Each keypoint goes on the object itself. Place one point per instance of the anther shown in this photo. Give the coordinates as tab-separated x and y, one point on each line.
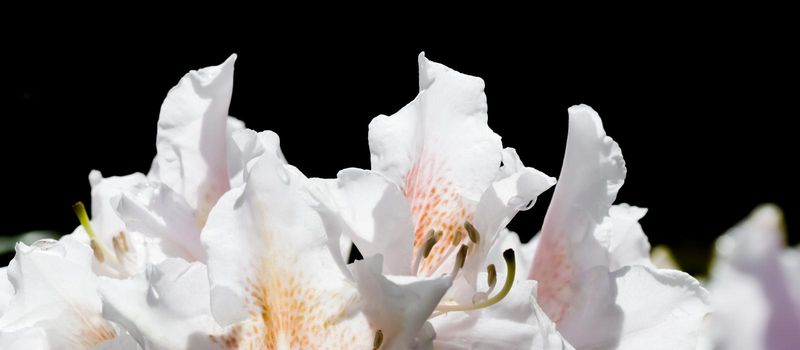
426	249
491	275
462	256
472	232
376	344
120	243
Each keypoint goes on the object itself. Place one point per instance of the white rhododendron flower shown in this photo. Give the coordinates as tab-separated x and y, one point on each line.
755	286
440	189
225	245
276	279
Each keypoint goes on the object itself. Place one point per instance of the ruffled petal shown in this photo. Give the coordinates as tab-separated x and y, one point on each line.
56	291
623	237
192	137
165	308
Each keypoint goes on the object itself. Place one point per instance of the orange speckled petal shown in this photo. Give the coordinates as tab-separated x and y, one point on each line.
441	152
273	276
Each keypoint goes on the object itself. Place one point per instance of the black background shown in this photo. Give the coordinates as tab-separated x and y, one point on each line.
704	119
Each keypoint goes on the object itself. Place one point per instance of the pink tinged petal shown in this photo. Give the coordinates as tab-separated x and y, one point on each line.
192	137
165	308
516	322
56	291
591	175
754	286
398	305
272	273
441	152
373	212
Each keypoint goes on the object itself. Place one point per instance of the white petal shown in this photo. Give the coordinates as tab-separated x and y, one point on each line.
6	290
165	308
108	224
271	267
516	322
57	291
105	198
624	238
664	309
32	338
591	175
754	286
372	211
192	137
398	306
636	307
498	205
440	151
123	341
157	211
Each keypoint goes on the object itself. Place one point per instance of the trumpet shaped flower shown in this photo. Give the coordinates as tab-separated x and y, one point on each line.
440	190
277	281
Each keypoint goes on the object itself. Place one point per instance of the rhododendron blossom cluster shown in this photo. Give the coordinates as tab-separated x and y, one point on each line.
224	244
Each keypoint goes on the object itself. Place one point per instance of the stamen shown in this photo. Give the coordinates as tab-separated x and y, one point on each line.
439	234
98	252
472	232
376	344
99	249
511	269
